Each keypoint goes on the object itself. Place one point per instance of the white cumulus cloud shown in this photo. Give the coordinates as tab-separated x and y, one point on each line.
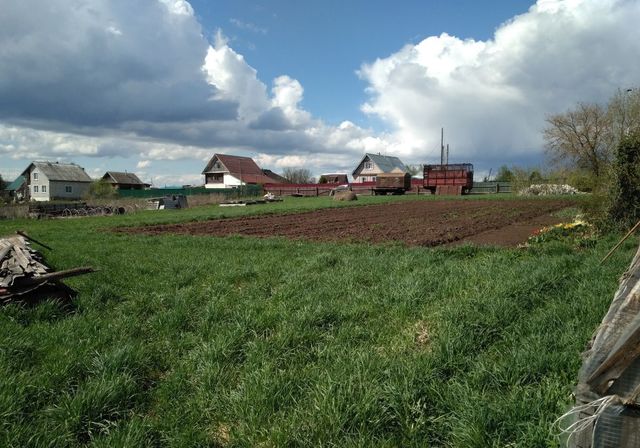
492	96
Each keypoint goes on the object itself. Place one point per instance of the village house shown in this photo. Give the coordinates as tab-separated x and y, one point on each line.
124	181
225	171
373	164
47	181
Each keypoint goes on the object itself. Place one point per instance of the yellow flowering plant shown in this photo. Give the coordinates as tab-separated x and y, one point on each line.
579	233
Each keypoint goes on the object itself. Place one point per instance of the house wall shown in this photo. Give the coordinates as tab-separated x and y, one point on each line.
228	182
37	181
78	189
364	174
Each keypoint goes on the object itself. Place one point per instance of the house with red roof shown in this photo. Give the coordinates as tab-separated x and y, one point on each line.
225	171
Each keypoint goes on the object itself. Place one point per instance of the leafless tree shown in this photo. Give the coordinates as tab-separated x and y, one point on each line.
414	170
582	136
624	113
298	175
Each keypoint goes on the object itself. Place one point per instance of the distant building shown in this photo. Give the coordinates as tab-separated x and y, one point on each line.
225	171
276	178
124	181
47	181
17	190
334	179
373	164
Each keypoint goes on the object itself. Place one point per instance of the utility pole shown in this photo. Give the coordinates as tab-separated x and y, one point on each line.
447	158
441	146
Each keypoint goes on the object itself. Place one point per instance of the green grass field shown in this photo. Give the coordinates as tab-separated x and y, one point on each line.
199	341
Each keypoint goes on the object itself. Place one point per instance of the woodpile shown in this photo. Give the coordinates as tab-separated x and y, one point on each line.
23	271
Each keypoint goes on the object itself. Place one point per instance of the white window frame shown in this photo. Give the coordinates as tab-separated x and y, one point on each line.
44	189
35	189
368	165
35	176
68	189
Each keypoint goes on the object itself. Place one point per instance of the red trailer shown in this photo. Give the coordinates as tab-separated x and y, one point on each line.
448	179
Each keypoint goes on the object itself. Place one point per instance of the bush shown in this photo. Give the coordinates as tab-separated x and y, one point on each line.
101	189
624	205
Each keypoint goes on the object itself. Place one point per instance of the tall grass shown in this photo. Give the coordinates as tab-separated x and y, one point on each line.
199	341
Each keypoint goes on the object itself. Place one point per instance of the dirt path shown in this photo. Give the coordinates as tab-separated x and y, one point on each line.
416	223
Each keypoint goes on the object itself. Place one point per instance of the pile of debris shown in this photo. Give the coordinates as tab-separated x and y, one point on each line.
269	197
23	271
548	190
168	202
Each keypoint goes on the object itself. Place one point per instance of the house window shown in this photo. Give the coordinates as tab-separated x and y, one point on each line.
35	188
368	165
35	176
67	188
44	188
215	178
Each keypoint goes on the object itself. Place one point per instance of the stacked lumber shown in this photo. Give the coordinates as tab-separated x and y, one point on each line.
22	269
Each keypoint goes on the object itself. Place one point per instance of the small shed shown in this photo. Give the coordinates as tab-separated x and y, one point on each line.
18	190
124	181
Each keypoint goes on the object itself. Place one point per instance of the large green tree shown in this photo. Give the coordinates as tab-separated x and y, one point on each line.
504	174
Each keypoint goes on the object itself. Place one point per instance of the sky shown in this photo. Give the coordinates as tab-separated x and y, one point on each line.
156	87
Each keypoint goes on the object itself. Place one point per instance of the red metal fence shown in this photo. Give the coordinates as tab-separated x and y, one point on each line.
364	188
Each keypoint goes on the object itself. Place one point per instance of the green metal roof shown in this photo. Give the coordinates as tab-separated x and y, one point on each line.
13	186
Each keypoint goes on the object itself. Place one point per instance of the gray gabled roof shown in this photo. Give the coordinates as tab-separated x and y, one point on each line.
55	171
116	177
385	163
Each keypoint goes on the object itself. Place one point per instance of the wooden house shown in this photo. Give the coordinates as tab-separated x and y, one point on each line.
124	181
373	164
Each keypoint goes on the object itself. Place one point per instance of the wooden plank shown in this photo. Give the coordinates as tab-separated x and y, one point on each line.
58	275
21	258
4	251
21	233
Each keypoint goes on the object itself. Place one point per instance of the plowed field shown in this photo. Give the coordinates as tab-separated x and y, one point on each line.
416	223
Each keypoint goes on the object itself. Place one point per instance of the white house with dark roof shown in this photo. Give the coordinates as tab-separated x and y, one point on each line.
48	181
373	164
225	171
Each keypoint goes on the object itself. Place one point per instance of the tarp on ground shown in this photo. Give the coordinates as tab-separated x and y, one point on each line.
607	395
